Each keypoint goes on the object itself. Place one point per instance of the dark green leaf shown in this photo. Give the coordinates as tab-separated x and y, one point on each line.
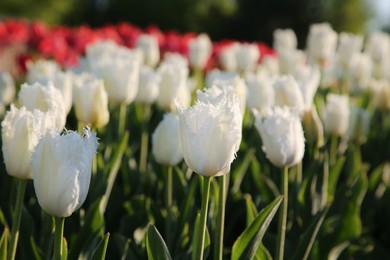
155	245
206	247
248	242
334	175
4	244
100	251
251	211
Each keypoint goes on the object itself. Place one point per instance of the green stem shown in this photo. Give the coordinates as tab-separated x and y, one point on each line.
144	151
16	219
299	173
203	217
122	119
168	205
333	150
59	233
282	216
223	182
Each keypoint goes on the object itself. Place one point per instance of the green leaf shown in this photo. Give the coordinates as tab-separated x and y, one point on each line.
38	255
248	242
155	245
4	244
308	238
375	177
64	249
100	250
94	223
238	175
334	175
262	253
251	211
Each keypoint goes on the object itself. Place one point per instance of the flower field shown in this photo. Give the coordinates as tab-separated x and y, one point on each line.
127	143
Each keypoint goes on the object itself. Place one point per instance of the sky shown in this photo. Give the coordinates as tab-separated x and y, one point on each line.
382	9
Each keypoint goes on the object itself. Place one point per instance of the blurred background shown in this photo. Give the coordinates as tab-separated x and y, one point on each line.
247	20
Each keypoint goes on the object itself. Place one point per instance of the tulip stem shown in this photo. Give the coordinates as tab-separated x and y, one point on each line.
168	204
223	182
203	217
122	119
282	216
16	219
333	150
59	233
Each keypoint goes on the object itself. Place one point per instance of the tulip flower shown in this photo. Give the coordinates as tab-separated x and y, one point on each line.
91	102
228	58
336	115
261	93
166	144
288	93
359	125
360	76
200	51
284	40
321	43
289	60
210	136
7	90
349	44
148	89
381	93
247	57
148	44
61	169
308	79
284	145
21	130
45	98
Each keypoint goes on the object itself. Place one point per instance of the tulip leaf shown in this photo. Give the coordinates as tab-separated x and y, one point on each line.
238	175
307	240
100	251
206	246
3	221
64	249
155	245
94	222
251	211
4	244
248	242
334	175
375	177
35	250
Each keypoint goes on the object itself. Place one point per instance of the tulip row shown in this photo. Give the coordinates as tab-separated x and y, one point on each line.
321	116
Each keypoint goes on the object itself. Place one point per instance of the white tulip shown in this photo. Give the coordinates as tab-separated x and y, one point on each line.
222	79
61	169
21	130
41	69
349	44
173	83
166	143
261	93
148	88
200	50
45	98
247	57
282	136
289	60
270	65
378	46
288	93
381	93
7	90
228	57
336	114
321	43
148	44
210	135
284	39
91	102
308	79
360	73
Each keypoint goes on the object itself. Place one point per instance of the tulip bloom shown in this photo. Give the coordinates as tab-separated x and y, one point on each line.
282	135
284	40
91	102
211	134
61	169
7	90
200	51
166	144
261	94
148	44
21	130
148	89
321	43
288	93
336	114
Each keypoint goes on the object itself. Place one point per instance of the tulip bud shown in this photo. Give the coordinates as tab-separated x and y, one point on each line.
45	98
21	130
321	43
284	40
247	57
381	93
91	102
289	60
287	93
282	136
361	73
61	169
261	93
41	69
7	90
200	51
336	114
349	45
308	79
270	65
166	144
148	89
228	58
378	46
149	46
313	128
211	134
